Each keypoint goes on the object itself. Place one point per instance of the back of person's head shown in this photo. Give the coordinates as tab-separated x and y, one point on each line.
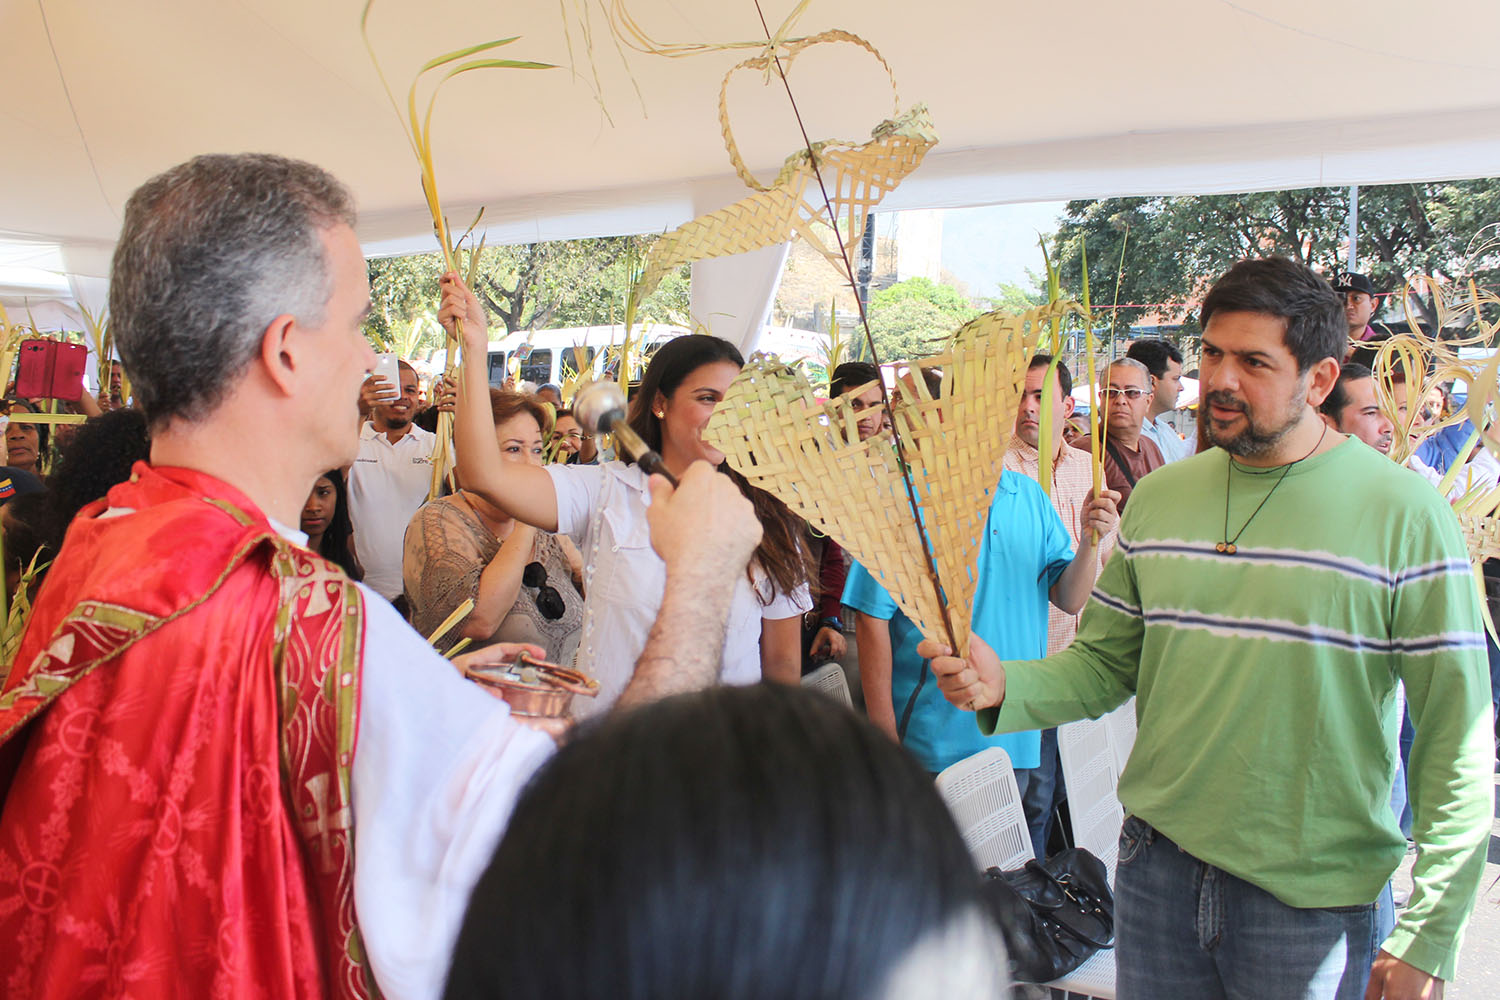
100	458
1338	397
209	254
852	375
33	531
1064	377
1275	286
1154	353
737	843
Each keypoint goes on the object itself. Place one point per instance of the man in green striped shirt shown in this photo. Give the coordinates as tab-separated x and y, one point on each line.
1265	597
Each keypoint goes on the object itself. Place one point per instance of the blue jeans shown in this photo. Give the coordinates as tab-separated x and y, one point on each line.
1042	792
1184	928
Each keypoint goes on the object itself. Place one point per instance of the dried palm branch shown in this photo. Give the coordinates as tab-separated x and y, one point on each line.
17	612
459	614
418	129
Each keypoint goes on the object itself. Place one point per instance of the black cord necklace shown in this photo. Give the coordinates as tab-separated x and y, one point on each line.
1227	546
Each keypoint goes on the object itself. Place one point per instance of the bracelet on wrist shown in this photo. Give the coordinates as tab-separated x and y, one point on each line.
832	622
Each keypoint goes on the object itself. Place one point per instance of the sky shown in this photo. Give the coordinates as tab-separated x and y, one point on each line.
994	245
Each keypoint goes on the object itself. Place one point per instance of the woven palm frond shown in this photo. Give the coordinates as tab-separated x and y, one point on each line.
808	454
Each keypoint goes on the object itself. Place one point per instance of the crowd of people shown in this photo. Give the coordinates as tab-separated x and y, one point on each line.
236	762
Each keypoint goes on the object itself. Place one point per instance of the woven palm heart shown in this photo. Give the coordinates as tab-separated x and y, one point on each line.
857	175
808	454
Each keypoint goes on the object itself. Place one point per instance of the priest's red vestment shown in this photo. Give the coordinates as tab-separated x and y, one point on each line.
176	738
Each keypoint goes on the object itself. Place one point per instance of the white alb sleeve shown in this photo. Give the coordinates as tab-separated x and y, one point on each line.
437	769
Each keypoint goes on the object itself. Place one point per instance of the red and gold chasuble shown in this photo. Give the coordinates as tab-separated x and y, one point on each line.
175	747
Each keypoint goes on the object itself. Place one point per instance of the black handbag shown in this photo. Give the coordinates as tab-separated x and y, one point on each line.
1053	914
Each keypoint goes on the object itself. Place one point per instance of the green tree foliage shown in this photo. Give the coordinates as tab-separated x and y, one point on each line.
403	290
1014	298
1178	246
528	287
911	318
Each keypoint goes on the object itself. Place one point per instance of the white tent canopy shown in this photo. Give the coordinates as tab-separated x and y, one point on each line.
1041	101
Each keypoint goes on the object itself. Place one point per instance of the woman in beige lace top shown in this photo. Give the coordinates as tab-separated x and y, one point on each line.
523	581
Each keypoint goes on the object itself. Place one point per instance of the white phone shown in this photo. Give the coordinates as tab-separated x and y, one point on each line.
386	368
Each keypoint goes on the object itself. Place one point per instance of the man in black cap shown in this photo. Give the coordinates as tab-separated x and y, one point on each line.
1359	307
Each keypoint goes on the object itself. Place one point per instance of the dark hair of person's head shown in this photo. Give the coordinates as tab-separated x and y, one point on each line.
504	405
933	376
100	458
1338	396
43	431
334	545
33	530
740	843
852	375
783	551
1154	353
209	254
1064	377
1275	286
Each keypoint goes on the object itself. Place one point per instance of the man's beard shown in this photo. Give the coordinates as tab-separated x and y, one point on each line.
1254	439
395	423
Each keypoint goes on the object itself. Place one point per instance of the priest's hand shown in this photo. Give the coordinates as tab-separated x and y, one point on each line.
970	684
704	526
705	531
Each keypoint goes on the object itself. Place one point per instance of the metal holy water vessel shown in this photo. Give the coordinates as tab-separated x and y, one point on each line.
535	688
600	408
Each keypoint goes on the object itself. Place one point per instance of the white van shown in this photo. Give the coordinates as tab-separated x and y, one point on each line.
547	355
544	355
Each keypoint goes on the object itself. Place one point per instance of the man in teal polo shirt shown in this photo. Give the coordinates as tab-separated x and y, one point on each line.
1027	558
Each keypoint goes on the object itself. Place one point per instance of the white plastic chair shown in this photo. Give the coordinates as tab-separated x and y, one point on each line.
1121	724
1093	753
829	679
981	794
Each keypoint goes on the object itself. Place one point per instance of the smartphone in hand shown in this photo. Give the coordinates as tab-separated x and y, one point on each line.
386	368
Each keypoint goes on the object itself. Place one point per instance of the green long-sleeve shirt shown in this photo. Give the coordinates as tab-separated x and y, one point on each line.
1265	682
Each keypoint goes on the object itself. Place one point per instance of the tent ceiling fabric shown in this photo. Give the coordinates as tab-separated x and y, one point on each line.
1079	98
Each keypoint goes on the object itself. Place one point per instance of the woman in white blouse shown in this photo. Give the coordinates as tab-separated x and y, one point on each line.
603	508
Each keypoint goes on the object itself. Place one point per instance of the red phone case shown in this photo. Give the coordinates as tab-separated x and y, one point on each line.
49	369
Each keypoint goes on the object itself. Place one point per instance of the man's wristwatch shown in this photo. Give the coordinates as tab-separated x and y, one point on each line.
833	622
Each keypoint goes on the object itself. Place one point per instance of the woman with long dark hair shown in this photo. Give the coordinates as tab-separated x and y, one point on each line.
325	521
603	508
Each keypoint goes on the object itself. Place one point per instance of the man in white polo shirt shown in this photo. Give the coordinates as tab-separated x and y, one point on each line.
388	481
